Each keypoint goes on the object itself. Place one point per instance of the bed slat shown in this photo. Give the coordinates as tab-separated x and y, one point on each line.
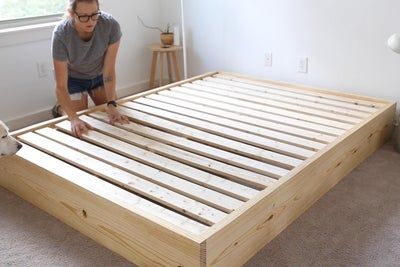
275	105
213	147
176	184
194	209
237	122
270	94
224	137
226	98
193	96
209	180
213	143
249	178
355	104
193	146
106	190
259	120
296	121
250	164
280	147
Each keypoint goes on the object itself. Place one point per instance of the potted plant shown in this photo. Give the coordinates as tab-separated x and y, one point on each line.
166	36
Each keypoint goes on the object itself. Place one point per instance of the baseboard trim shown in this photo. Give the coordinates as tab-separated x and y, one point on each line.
29	119
45	114
133	89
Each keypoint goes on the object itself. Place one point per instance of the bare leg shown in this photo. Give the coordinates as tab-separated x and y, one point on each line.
78	103
98	95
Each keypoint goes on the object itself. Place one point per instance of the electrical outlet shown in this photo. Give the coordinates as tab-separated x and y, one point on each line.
42	69
302	66
268	59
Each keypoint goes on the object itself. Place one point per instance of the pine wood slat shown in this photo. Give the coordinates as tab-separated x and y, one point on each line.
231	120
330	99
176	184
185	205
237	141
237	174
340	96
329	125
271	164
207	87
196	147
272	151
220	142
230	111
93	185
184	171
271	94
212	100
289	149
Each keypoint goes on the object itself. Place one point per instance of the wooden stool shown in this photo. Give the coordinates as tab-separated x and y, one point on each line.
170	53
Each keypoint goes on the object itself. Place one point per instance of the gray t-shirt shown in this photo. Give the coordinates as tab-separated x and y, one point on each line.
85	59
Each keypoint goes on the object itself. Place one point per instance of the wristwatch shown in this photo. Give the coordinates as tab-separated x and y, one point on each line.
112	102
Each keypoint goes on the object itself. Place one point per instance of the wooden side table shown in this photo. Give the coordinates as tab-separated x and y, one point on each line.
170	53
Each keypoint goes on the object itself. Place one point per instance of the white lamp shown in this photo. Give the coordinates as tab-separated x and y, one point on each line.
394	42
184	42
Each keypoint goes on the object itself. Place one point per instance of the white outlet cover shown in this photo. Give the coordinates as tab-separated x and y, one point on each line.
43	69
302	66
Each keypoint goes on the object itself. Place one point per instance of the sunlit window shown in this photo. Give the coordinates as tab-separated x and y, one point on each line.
24	12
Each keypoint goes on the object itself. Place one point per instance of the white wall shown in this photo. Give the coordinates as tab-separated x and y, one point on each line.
26	98
345	41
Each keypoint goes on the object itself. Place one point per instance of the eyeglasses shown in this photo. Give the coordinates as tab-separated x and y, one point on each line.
85	18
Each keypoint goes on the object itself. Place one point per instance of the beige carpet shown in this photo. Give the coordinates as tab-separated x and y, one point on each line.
357	223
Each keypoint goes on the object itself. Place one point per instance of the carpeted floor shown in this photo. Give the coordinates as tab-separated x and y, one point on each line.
357	223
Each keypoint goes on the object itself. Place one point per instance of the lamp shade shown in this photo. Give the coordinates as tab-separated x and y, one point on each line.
394	42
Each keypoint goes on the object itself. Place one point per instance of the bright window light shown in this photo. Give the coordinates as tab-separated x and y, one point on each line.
25	12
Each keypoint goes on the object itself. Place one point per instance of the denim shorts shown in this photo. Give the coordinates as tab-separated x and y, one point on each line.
84	86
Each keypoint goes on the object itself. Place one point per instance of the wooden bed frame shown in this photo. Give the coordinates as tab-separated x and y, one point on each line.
209	170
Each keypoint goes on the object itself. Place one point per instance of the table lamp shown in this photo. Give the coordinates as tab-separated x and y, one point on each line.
394	44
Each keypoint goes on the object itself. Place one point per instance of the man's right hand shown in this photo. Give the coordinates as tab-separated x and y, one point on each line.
79	127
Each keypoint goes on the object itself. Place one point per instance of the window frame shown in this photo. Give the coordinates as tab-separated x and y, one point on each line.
30	21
